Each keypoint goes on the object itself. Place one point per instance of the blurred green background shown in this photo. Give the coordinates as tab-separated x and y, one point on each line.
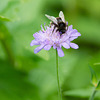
28	76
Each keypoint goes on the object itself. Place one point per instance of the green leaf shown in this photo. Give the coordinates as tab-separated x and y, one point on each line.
83	93
98	86
79	92
96	64
93	77
6	41
22	32
4	33
2	18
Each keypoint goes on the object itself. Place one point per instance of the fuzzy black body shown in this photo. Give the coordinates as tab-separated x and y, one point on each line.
61	26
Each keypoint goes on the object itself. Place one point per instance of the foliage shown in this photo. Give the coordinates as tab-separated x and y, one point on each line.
28	76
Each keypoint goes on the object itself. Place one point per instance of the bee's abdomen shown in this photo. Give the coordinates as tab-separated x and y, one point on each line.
62	27
63	31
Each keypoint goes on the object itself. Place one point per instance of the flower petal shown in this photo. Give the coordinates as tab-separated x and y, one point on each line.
36	50
54	46
65	45
35	35
60	52
70	27
47	47
72	38
42	28
75	34
74	46
34	42
64	37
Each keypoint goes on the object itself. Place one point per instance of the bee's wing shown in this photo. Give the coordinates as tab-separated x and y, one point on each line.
51	18
61	15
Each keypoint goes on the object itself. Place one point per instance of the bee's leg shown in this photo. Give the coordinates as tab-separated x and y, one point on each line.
57	30
55	25
51	24
54	28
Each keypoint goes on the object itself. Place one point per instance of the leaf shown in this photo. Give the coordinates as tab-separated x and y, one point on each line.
96	64
2	18
22	32
98	86
93	77
86	93
6	40
79	93
3	4
4	32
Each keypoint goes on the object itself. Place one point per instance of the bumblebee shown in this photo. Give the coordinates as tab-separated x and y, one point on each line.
59	23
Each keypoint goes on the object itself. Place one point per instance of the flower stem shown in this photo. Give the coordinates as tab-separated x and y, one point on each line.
59	88
93	94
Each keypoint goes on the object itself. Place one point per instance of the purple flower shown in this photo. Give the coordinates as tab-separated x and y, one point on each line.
48	37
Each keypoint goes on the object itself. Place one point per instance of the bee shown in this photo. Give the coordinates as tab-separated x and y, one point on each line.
59	23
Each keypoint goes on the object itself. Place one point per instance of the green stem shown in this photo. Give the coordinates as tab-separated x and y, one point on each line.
93	94
59	89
